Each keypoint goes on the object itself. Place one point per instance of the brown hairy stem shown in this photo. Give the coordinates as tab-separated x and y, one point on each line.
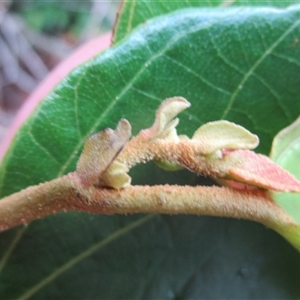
68	194
35	202
185	153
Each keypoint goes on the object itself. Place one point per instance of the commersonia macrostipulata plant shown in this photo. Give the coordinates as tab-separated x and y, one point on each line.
224	61
217	149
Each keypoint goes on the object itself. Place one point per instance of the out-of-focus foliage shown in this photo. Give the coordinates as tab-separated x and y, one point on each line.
64	16
53	17
35	35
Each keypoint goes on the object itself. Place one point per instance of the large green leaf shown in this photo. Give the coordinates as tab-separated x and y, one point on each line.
137	12
237	64
286	153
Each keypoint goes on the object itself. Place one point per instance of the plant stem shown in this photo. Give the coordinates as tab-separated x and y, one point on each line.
68	194
185	153
35	202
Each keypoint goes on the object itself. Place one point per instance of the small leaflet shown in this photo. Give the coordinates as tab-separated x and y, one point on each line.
223	134
100	150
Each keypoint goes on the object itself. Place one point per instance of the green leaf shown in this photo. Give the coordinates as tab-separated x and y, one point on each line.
236	64
135	13
286	153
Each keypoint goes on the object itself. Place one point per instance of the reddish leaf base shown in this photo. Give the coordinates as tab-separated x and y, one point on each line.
260	171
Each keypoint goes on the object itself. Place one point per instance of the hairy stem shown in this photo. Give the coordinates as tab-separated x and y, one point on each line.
185	153
35	202
68	194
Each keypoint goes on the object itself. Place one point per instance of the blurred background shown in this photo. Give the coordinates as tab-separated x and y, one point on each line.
35	35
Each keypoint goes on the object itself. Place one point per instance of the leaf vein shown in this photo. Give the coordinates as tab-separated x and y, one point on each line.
224	58
255	65
151	96
131	14
41	147
76	96
189	70
11	247
83	255
287	58
275	94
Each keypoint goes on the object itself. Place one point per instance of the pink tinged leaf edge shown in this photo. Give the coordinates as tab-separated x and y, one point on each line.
258	170
79	56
